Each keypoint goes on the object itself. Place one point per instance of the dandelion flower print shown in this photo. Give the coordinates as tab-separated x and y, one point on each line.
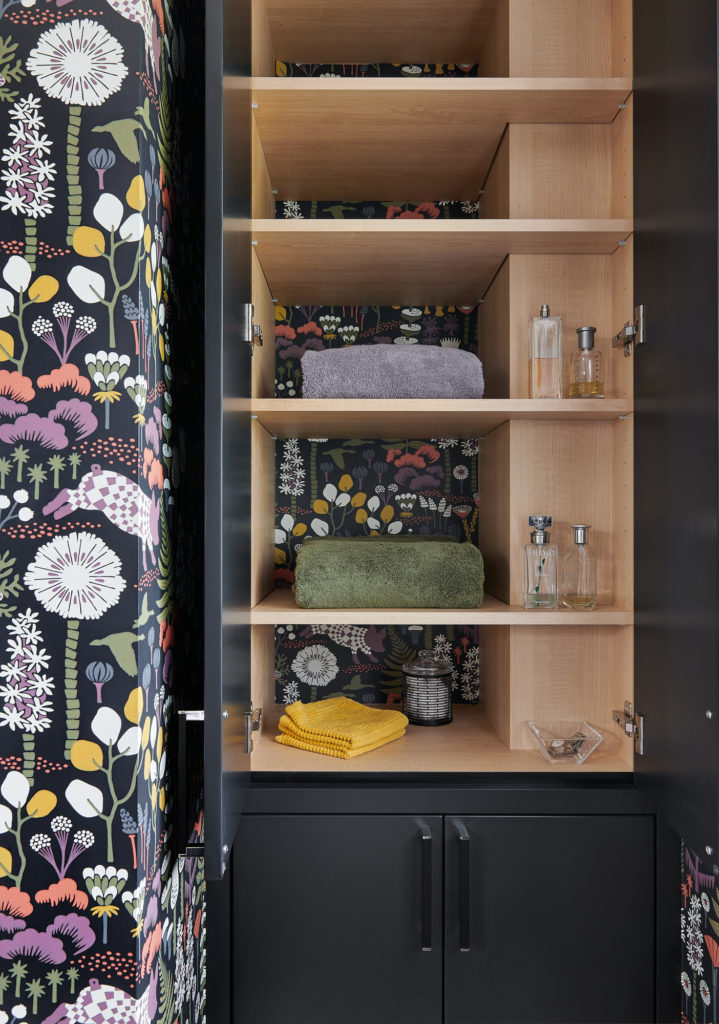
315	666
77	576
704	992
687	986
79	63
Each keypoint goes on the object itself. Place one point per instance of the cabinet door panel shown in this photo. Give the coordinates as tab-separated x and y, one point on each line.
228	470
676	409
557	913
329	920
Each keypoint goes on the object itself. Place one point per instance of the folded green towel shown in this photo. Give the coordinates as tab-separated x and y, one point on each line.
402	538
379	572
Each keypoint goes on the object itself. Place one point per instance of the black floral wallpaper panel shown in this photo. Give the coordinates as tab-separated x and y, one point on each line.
403	70
365	662
292	209
99	922
700	939
302	328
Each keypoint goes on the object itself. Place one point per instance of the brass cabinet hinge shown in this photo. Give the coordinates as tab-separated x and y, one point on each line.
633	725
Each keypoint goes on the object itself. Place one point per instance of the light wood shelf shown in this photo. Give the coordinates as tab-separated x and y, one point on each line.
381	263
279	608
468	744
430	139
414	417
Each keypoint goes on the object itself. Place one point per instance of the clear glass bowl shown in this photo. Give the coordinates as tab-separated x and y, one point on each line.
565	741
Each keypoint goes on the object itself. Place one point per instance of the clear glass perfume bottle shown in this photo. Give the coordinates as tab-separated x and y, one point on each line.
540	558
545	355
586	372
578	572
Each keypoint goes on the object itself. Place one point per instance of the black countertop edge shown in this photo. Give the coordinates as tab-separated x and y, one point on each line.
450	780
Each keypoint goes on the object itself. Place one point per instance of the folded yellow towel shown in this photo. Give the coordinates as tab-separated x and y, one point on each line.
320	748
339	727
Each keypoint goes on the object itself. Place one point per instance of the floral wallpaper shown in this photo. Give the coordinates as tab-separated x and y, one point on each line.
700	940
365	662
99	921
350	487
283	69
299	328
315	210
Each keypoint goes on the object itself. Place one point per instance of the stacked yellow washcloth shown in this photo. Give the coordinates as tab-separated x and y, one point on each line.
339	727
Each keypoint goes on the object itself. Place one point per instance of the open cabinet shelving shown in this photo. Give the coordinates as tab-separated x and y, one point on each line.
546	137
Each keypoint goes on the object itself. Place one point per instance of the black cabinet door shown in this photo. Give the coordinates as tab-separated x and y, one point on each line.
549	919
341	919
676	413
227	483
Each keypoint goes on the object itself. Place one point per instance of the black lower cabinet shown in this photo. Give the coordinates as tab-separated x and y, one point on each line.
549	919
402	919
338	919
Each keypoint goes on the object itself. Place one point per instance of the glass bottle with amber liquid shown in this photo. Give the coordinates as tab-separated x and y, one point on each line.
586	371
545	355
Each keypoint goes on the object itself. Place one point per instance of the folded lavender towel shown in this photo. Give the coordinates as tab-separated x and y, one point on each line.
392	371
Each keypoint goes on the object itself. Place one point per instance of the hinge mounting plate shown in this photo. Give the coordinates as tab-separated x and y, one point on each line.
253	720
633	333
254	334
632	723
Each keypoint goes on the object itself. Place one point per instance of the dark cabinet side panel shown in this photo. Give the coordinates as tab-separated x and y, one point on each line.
332	920
558	920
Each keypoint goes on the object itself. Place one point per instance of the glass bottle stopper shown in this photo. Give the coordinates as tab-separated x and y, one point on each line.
580	533
540	525
544	309
585	337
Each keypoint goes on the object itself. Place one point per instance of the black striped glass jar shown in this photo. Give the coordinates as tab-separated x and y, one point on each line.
427	691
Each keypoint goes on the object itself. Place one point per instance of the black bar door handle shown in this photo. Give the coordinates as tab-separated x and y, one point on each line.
426	883
464	892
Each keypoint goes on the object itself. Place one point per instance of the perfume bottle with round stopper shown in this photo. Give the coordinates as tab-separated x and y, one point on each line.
578	572
545	355
586	371
540	560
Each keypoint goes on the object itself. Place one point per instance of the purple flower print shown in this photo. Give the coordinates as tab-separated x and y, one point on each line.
81	841
38	945
78	413
46	946
11	924
77	929
35	428
63	312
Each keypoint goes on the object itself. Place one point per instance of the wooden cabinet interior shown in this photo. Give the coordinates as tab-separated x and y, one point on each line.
552	152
